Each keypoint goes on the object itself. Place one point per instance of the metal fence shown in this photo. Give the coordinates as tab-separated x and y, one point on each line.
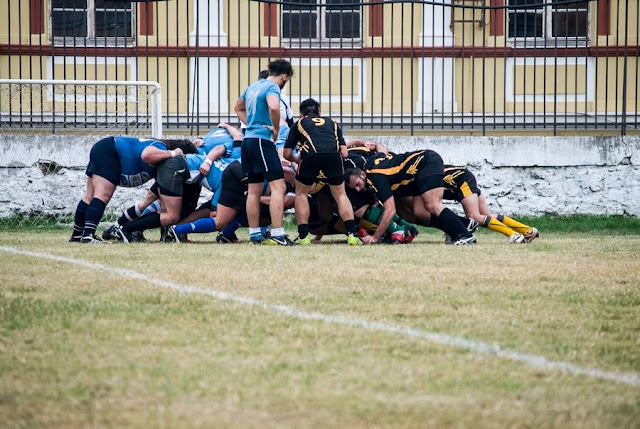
477	66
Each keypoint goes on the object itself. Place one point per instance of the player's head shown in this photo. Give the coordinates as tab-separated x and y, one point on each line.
310	107
263	74
280	71
356	179
185	145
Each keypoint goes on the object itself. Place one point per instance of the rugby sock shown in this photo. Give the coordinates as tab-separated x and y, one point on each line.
303	230
277	232
129	214
207	224
465	221
153	208
351	226
374	216
514	224
143	223
236	223
496	225
449	222
403	223
255	233
93	216
79	218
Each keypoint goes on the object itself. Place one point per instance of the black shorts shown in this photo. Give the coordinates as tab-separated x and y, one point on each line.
172	173
460	184
104	161
260	160
232	190
329	163
430	173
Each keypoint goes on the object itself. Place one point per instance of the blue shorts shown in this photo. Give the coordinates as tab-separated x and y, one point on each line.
260	160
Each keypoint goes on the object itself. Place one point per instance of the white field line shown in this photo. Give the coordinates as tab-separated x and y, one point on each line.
534	361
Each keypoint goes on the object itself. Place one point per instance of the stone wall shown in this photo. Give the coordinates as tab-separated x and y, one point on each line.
518	175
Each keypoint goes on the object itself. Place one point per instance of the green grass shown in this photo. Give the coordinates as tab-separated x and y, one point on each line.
80	347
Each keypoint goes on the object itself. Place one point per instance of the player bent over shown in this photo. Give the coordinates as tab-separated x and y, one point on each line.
460	185
118	161
321	148
420	174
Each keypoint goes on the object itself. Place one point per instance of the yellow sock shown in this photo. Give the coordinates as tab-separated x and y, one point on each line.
514	224
496	225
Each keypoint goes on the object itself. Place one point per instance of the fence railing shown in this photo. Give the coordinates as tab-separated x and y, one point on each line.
478	66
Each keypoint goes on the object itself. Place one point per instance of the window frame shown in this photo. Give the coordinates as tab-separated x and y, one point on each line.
548	39
321	10
91	39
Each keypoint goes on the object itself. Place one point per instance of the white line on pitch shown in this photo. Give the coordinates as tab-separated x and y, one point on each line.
480	347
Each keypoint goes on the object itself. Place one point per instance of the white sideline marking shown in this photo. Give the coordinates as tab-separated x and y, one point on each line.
480	347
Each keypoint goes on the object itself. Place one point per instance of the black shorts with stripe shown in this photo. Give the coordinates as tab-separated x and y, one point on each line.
459	183
430	173
234	186
104	161
329	163
260	160
172	175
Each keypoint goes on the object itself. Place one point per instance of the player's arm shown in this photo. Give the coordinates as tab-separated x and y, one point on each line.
213	154
273	102
343	146
290	144
389	212
356	143
235	133
241	110
153	155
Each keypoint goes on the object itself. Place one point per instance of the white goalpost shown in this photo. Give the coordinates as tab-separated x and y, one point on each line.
47	128
81	106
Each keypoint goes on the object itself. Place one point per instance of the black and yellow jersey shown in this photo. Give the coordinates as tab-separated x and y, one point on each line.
391	173
315	135
357	157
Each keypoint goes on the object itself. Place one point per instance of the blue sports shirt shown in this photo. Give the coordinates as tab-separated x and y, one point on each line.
217	137
255	98
133	171
213	180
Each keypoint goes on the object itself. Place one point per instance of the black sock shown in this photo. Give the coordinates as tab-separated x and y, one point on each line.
93	216
151	220
426	223
465	221
79	218
351	226
449	222
303	230
128	215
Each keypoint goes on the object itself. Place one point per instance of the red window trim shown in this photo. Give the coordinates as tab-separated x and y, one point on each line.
376	20
146	19
497	18
36	21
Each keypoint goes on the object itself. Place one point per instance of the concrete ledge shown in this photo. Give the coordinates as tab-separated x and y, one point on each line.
518	175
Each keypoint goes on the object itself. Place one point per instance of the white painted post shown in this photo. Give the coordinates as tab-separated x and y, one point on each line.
436	86
209	76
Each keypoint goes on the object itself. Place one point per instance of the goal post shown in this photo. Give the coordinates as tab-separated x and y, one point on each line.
81	106
47	128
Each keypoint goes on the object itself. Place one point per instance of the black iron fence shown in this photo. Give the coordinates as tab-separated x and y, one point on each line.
462	65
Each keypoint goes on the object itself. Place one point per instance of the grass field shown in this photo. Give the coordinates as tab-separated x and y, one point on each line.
332	336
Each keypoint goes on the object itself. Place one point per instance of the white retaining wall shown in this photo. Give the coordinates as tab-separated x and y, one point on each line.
518	175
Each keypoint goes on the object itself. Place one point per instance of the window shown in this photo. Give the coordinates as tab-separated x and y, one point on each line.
567	22
321	20
100	22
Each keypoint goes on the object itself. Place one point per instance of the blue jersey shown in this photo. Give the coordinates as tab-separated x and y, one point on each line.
282	136
133	171
213	180
255	98
214	138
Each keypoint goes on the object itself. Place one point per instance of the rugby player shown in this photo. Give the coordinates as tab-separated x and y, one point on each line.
259	108
461	186
420	174
321	148
118	161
